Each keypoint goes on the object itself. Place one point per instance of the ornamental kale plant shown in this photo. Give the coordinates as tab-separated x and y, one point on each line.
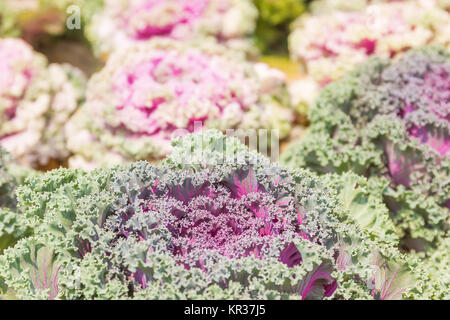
147	94
339	35
224	224
120	24
11	176
8	203
389	120
7	183
36	101
331	44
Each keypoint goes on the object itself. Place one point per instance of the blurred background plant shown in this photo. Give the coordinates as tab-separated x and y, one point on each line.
274	21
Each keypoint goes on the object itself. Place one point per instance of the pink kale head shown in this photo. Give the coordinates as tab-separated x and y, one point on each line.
124	23
215	215
417	94
149	94
333	42
239	228
36	100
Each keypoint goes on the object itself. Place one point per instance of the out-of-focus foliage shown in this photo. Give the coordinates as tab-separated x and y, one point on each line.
147	94
215	221
123	23
283	63
303	92
36	100
389	120
302	89
327	6
445	4
275	17
331	42
31	18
